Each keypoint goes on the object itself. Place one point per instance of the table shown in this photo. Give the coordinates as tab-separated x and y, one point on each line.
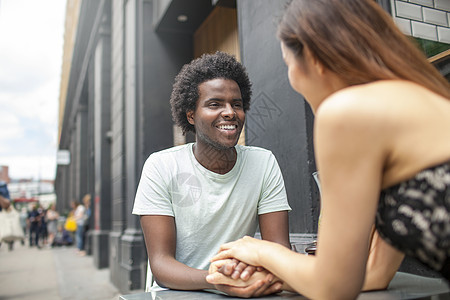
402	286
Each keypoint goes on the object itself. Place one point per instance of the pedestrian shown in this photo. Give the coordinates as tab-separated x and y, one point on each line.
5	199
52	217
34	225
43	233
87	219
381	138
62	237
5	203
23	222
80	218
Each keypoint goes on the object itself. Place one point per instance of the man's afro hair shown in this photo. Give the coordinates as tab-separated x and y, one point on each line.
185	91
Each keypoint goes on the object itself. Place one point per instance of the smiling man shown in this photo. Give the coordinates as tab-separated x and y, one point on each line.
195	197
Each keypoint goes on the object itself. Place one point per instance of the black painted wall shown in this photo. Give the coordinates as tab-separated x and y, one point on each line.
279	119
164	53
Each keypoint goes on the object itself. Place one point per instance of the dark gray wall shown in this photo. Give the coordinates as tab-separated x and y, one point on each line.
164	55
279	119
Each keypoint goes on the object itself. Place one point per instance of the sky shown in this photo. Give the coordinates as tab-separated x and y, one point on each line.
31	49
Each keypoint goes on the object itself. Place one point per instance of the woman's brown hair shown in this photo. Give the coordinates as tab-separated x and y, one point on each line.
357	40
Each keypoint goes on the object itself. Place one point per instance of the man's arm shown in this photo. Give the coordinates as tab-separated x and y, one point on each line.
274	227
160	239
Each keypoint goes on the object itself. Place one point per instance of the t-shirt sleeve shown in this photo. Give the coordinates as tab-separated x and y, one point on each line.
273	196
153	195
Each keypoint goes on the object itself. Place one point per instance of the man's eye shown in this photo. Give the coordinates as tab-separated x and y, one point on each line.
213	104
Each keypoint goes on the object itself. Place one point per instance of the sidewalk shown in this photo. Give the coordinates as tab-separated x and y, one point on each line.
51	274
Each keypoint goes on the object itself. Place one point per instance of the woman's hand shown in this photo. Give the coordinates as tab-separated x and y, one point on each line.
245	250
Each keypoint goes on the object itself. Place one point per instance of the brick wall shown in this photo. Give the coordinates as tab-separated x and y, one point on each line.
426	19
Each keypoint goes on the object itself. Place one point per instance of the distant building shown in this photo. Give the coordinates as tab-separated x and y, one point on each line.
4	174
24	191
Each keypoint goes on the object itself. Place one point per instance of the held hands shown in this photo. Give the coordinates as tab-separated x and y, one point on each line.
235	273
239	279
257	281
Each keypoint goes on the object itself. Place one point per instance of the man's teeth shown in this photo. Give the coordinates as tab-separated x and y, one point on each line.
227	127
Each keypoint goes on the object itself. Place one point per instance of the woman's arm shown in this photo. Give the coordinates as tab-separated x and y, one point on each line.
350	153
382	264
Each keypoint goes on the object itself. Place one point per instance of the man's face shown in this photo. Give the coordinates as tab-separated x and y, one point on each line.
219	114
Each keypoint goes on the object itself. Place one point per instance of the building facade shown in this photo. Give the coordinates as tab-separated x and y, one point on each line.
116	112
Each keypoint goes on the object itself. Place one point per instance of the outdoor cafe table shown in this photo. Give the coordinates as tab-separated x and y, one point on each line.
403	286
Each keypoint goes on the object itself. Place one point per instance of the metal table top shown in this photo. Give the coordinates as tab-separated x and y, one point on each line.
403	286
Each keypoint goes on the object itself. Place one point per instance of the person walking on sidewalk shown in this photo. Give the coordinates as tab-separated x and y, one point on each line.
33	222
23	217
80	216
87	216
5	203
52	219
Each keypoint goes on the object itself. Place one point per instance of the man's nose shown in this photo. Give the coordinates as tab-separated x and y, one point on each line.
228	111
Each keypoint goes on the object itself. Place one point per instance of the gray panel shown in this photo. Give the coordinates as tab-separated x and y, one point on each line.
278	119
163	56
102	125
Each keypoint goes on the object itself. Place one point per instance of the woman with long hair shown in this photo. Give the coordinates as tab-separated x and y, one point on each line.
382	142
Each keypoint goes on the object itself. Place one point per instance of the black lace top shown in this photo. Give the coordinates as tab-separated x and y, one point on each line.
414	216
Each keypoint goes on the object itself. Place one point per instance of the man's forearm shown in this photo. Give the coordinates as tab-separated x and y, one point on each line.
177	276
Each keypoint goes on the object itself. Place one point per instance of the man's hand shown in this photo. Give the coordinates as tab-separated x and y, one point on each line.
258	289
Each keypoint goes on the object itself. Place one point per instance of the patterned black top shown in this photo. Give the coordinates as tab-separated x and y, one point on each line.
414	216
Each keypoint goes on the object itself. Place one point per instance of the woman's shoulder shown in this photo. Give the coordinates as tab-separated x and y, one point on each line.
380	100
352	104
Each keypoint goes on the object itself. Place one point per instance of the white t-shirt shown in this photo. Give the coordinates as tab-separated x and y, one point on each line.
79	214
210	209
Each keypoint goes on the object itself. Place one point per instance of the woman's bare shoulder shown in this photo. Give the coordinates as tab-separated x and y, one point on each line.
356	103
380	100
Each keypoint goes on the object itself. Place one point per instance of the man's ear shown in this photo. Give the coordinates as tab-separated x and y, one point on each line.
190	117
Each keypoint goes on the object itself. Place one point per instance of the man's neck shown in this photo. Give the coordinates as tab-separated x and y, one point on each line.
219	161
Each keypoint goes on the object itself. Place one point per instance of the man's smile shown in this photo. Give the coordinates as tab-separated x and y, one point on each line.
227	127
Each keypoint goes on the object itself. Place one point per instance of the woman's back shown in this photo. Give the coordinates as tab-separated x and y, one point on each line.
408	128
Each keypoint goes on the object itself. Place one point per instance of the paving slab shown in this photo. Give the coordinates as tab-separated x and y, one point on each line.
51	274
